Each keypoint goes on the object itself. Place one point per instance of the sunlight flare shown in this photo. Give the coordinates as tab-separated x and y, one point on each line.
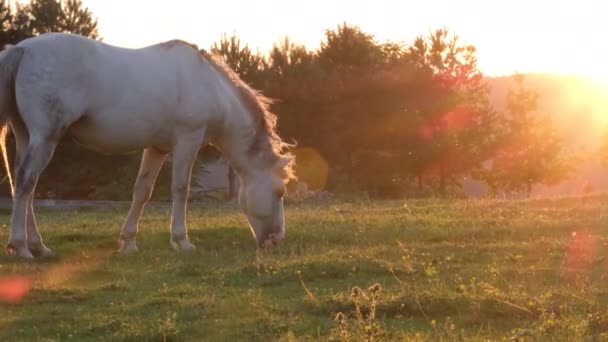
580	254
13	289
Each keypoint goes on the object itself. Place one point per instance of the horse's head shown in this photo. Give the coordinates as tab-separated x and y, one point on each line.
261	198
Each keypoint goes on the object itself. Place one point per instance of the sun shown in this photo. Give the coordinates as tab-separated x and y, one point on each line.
600	105
589	90
602	83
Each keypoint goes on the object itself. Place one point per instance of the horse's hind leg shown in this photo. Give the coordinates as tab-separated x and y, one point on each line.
151	163
34	240
37	156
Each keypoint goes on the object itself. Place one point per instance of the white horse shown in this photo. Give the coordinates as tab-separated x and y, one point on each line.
164	98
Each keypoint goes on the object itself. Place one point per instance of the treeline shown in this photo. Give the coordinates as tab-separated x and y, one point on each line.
390	119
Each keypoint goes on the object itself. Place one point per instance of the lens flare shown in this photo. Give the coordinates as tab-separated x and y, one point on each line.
580	254
13	289
311	168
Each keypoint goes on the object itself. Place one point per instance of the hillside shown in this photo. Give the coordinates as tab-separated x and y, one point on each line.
574	103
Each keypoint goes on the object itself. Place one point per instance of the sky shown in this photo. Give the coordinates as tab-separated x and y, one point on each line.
516	35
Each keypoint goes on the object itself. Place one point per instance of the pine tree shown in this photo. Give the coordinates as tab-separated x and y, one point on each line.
348	47
78	19
68	16
457	126
533	151
240	58
6	23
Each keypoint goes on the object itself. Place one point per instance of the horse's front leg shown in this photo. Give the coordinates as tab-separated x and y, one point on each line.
34	239
151	162
184	155
36	158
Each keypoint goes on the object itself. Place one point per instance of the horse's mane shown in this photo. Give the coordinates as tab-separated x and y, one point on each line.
256	103
266	140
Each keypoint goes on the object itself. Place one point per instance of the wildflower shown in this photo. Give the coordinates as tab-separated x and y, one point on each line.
355	292
375	288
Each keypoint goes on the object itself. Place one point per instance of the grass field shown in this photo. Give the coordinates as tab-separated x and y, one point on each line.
399	270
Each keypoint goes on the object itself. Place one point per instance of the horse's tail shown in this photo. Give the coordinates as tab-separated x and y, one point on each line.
10	58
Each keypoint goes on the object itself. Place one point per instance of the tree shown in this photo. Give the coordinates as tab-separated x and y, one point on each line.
43	16
61	16
21	24
288	57
532	152
14	23
362	117
6	23
240	58
456	123
347	103
78	19
293	77
348	47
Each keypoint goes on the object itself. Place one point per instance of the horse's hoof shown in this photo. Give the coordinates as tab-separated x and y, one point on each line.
19	251
183	245
41	251
128	247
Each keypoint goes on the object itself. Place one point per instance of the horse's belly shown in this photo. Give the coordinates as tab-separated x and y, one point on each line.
118	138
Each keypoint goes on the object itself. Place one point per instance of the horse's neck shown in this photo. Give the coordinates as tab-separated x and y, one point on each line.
238	130
238	135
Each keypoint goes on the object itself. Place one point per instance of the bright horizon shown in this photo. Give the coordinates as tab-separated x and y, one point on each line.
515	36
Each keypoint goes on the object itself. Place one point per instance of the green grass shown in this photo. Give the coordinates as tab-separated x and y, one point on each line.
445	270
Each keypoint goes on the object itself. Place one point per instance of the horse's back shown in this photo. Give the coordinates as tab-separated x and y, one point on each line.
67	66
109	97
106	69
